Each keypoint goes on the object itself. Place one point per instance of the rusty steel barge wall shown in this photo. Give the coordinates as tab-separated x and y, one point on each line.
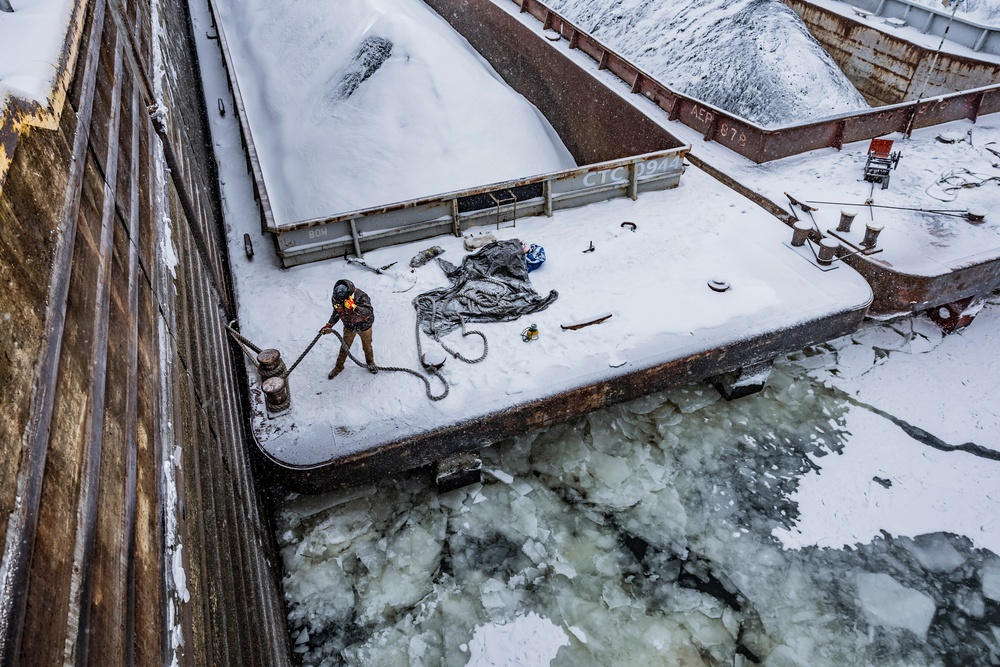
740	135
888	69
591	120
114	359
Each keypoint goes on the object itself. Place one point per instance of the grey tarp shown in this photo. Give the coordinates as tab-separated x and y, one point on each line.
491	286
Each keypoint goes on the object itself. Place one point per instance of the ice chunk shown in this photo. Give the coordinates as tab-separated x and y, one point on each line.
303	507
693	398
614	596
888	603
990	575
523	517
784	656
500	475
854	360
934	552
496	595
881	337
535	551
611	470
526	641
321	592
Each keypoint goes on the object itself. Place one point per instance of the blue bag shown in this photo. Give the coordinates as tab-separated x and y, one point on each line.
535	257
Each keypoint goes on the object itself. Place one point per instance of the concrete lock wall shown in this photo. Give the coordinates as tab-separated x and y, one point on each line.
132	524
887	69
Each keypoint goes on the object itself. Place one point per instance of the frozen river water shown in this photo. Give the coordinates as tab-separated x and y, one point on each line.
847	515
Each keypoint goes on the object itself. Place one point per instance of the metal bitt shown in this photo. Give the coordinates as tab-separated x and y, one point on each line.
847	216
871	235
800	233
827	251
276	395
274	383
270	364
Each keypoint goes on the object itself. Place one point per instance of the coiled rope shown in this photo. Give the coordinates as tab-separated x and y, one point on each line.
434	335
952	181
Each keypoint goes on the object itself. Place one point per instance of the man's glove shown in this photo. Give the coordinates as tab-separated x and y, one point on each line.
326	328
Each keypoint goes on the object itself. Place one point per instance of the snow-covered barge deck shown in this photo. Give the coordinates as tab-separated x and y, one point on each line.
668	327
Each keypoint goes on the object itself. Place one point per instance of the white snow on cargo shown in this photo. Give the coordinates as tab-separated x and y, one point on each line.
360	103
753	58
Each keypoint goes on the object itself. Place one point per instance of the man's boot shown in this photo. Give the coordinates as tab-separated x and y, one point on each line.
335	372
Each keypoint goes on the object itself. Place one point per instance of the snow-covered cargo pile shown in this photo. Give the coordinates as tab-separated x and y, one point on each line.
359	103
752	58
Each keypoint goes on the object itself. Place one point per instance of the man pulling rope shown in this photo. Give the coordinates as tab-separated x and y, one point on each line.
354	308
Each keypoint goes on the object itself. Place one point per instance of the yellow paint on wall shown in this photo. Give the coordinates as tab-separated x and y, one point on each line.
19	116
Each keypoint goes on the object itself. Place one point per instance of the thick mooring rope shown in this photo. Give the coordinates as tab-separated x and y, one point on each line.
245	343
427	383
302	356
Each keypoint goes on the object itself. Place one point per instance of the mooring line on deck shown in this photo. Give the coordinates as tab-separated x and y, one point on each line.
245	343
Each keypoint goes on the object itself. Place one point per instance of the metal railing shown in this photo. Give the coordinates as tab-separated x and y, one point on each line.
357	232
932	21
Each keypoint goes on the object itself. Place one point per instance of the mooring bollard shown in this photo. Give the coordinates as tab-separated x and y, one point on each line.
276	396
847	216
827	250
270	364
871	235
800	232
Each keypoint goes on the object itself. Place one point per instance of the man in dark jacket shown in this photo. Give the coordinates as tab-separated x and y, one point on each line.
354	308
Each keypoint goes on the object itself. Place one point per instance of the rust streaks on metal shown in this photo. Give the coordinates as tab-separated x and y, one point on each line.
132	389
763	145
81	589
